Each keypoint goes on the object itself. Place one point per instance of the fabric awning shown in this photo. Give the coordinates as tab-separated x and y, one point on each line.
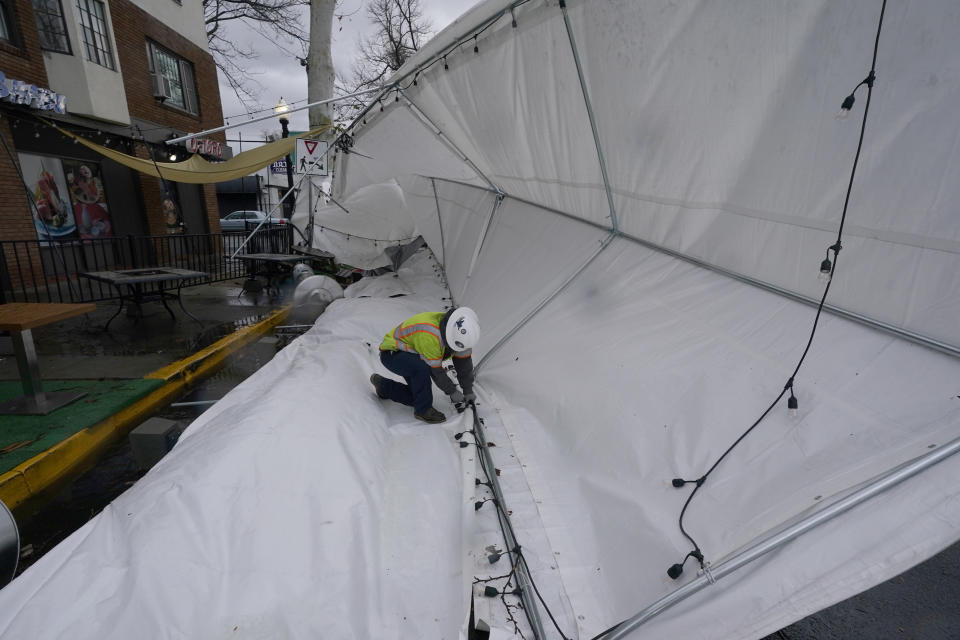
197	170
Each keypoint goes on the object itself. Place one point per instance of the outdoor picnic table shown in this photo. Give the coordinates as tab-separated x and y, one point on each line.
20	318
272	266
133	280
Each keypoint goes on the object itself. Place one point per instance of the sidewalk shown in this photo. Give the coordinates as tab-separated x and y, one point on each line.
129	372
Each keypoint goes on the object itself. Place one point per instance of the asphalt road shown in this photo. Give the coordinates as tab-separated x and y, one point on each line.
920	604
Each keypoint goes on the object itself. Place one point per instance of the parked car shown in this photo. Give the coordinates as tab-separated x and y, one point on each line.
242	220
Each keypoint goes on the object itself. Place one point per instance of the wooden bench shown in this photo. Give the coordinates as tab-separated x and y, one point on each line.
19	318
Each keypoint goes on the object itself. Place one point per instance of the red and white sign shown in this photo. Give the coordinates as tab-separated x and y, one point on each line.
311	157
206	146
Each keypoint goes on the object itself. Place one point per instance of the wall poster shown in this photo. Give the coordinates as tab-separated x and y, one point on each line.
170	203
51	211
88	198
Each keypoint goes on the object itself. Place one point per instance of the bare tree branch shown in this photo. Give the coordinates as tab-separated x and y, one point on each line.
276	19
401	30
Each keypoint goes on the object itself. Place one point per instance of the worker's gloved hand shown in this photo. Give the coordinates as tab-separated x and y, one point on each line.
470	397
456	397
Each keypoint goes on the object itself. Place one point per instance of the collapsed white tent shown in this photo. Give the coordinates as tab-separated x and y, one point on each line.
642	268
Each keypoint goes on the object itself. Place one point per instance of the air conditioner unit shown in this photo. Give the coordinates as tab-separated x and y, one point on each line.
161	86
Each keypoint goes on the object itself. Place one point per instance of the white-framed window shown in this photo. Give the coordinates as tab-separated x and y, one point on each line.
96	37
8	24
172	78
51	26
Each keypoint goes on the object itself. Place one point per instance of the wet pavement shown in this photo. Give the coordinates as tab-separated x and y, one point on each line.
921	604
131	348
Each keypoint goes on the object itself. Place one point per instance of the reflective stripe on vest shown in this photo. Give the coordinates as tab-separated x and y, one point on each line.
419	334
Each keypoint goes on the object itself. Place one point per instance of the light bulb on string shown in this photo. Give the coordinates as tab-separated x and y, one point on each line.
825	268
476	49
846	107
792	405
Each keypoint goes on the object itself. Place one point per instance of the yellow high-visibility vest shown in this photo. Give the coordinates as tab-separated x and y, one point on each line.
420	334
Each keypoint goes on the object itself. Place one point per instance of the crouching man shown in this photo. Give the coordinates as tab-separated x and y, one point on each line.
416	349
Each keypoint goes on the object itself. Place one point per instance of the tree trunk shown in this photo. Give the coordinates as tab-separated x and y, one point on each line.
320	74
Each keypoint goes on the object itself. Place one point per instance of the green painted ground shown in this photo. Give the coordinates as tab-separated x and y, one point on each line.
35	434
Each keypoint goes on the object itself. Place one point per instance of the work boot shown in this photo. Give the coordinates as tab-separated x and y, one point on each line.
377	380
430	416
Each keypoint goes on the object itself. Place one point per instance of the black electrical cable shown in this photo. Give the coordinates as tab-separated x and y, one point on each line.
678	482
505	524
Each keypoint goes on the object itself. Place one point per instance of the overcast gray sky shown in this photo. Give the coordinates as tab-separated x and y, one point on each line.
279	73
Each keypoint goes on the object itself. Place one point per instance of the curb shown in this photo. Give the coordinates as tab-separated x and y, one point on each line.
74	455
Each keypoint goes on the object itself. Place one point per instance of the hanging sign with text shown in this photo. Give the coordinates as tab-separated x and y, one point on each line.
205	146
20	92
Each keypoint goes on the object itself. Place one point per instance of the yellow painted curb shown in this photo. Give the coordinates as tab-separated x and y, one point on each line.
73	455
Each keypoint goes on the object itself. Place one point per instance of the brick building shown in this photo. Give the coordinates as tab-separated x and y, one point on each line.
127	74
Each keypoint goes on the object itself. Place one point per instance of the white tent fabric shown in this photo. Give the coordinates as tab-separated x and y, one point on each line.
359	229
278	514
607	367
717	128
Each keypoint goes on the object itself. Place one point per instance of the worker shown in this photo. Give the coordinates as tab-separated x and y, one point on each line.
416	349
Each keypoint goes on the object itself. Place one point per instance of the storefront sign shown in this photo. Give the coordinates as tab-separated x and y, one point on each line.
280	166
206	146
20	92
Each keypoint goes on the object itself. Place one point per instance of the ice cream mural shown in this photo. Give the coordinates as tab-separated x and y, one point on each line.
89	201
50	209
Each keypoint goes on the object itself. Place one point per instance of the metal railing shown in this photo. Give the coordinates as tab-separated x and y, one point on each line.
48	270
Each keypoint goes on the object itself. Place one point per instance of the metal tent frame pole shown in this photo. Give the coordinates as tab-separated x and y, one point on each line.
615	225
773	542
425	119
878	325
524	581
443	241
270	116
483	236
603	245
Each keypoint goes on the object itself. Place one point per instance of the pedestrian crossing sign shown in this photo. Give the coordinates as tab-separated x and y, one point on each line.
311	157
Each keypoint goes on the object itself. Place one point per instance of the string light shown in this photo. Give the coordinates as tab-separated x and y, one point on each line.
847	104
826	272
446	67
476	49
826	267
793	406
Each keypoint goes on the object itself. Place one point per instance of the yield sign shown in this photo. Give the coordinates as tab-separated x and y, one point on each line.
311	157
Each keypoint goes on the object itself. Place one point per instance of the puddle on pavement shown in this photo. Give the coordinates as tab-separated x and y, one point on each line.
117	470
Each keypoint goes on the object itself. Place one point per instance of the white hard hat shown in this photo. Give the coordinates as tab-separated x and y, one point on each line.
463	329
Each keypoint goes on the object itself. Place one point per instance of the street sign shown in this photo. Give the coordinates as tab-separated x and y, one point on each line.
280	166
311	157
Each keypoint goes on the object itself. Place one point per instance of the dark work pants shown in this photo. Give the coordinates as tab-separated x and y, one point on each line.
418	392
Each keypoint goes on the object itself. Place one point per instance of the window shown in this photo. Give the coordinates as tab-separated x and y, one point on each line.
51	27
172	78
8	28
96	40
